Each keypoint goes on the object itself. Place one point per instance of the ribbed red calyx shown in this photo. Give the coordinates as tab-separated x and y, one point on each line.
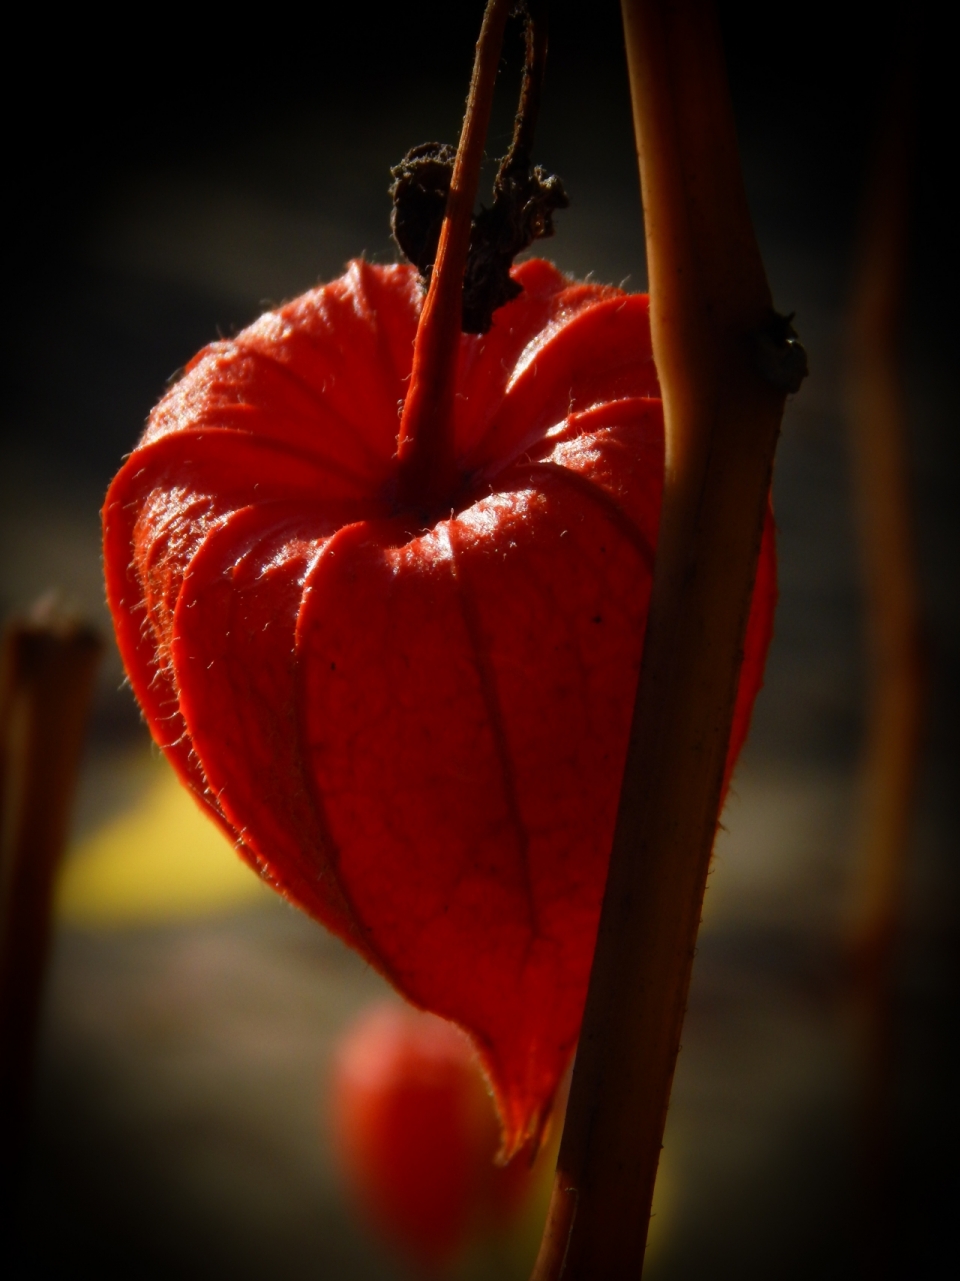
413	725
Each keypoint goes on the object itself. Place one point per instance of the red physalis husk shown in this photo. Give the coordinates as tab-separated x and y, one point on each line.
413	724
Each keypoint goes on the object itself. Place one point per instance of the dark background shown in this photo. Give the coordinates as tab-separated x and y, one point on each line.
169	173
93	106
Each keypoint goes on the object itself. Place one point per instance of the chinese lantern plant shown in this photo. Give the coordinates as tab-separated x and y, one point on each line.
381	587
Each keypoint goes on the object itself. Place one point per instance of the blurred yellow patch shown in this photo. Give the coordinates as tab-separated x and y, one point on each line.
161	860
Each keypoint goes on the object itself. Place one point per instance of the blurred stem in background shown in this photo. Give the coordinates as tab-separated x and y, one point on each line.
897	685
47	668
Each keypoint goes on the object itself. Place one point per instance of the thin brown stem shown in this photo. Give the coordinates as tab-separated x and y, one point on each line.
520	155
714	333
47	666
878	435
425	446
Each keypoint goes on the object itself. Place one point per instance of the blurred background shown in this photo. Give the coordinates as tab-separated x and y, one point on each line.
173	172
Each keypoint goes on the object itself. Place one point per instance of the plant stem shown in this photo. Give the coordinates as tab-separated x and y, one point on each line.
714	332
425	446
895	648
47	668
520	155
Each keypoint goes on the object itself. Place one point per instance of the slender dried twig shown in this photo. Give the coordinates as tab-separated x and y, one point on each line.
525	196
47	666
725	362
894	643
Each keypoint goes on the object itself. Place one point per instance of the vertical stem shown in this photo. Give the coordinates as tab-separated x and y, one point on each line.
710	307
894	645
46	681
425	445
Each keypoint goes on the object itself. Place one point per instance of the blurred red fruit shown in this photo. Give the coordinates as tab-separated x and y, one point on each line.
416	1134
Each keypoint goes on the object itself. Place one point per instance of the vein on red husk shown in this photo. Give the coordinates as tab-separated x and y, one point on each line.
238	685
348	428
595	494
491	700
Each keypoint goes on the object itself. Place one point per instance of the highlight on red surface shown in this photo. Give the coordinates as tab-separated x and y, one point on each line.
416	1135
413	720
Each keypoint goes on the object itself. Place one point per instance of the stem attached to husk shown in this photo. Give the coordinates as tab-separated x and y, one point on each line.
725	362
427	471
